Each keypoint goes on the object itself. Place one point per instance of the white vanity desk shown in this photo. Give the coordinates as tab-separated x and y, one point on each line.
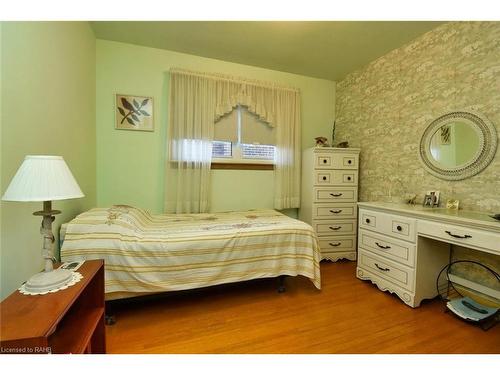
402	248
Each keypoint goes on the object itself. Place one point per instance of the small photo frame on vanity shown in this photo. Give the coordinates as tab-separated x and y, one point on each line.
431	199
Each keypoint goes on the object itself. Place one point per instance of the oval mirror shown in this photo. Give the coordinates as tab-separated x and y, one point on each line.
458	145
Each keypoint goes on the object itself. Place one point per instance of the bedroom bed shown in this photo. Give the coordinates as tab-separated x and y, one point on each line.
146	254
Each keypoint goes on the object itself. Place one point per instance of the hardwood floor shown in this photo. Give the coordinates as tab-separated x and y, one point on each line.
347	316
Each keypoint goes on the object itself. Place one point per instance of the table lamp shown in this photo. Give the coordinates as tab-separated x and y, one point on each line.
44	178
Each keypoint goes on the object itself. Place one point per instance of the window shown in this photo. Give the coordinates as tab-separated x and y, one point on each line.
222	149
242	137
251	151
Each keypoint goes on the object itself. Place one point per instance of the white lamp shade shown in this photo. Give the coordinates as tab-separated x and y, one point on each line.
42	178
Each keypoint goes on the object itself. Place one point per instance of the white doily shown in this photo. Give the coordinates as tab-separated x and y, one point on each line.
75	277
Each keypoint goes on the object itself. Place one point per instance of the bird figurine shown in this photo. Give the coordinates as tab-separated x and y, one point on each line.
322	142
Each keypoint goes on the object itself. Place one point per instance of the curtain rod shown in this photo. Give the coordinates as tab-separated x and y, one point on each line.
229	78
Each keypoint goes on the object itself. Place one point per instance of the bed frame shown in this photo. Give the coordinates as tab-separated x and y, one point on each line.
110	317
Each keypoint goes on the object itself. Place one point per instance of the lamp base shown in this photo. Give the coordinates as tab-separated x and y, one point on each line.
46	281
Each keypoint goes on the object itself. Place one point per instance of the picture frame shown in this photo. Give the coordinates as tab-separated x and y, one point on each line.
431	198
427	201
134	112
446	135
452	204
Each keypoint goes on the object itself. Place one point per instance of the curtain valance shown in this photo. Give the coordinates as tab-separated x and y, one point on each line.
260	97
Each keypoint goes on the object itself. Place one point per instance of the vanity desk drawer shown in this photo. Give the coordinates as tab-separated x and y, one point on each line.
391	271
397	250
388	224
461	235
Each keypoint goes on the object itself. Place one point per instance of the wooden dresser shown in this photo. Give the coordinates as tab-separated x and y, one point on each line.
402	248
329	196
68	321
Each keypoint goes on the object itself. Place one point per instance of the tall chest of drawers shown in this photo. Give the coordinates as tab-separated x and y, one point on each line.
329	196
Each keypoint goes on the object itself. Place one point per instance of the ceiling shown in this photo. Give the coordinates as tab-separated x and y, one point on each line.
326	49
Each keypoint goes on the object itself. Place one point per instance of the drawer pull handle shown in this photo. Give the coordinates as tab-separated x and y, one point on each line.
324	178
382	269
335	228
382	246
335	211
367	221
456	235
349	161
334	244
336	195
324	161
349	178
399	228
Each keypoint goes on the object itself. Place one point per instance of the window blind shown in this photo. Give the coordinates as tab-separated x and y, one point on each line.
254	130
226	129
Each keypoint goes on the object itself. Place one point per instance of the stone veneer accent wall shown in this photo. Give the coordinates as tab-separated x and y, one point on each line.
384	107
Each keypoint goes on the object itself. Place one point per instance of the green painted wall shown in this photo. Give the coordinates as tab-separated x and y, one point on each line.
48	107
130	164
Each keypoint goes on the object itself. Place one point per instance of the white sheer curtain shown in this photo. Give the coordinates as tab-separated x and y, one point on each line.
197	100
288	151
191	127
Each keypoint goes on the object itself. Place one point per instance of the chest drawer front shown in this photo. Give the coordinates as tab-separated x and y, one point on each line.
388	224
399	251
324	194
395	273
332	227
340	243
326	160
336	177
323	160
474	238
334	210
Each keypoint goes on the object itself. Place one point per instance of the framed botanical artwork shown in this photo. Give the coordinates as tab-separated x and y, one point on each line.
134	112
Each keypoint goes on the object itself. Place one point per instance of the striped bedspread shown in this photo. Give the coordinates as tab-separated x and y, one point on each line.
147	253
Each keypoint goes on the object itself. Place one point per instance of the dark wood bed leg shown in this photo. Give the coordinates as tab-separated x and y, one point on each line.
109	317
281	284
